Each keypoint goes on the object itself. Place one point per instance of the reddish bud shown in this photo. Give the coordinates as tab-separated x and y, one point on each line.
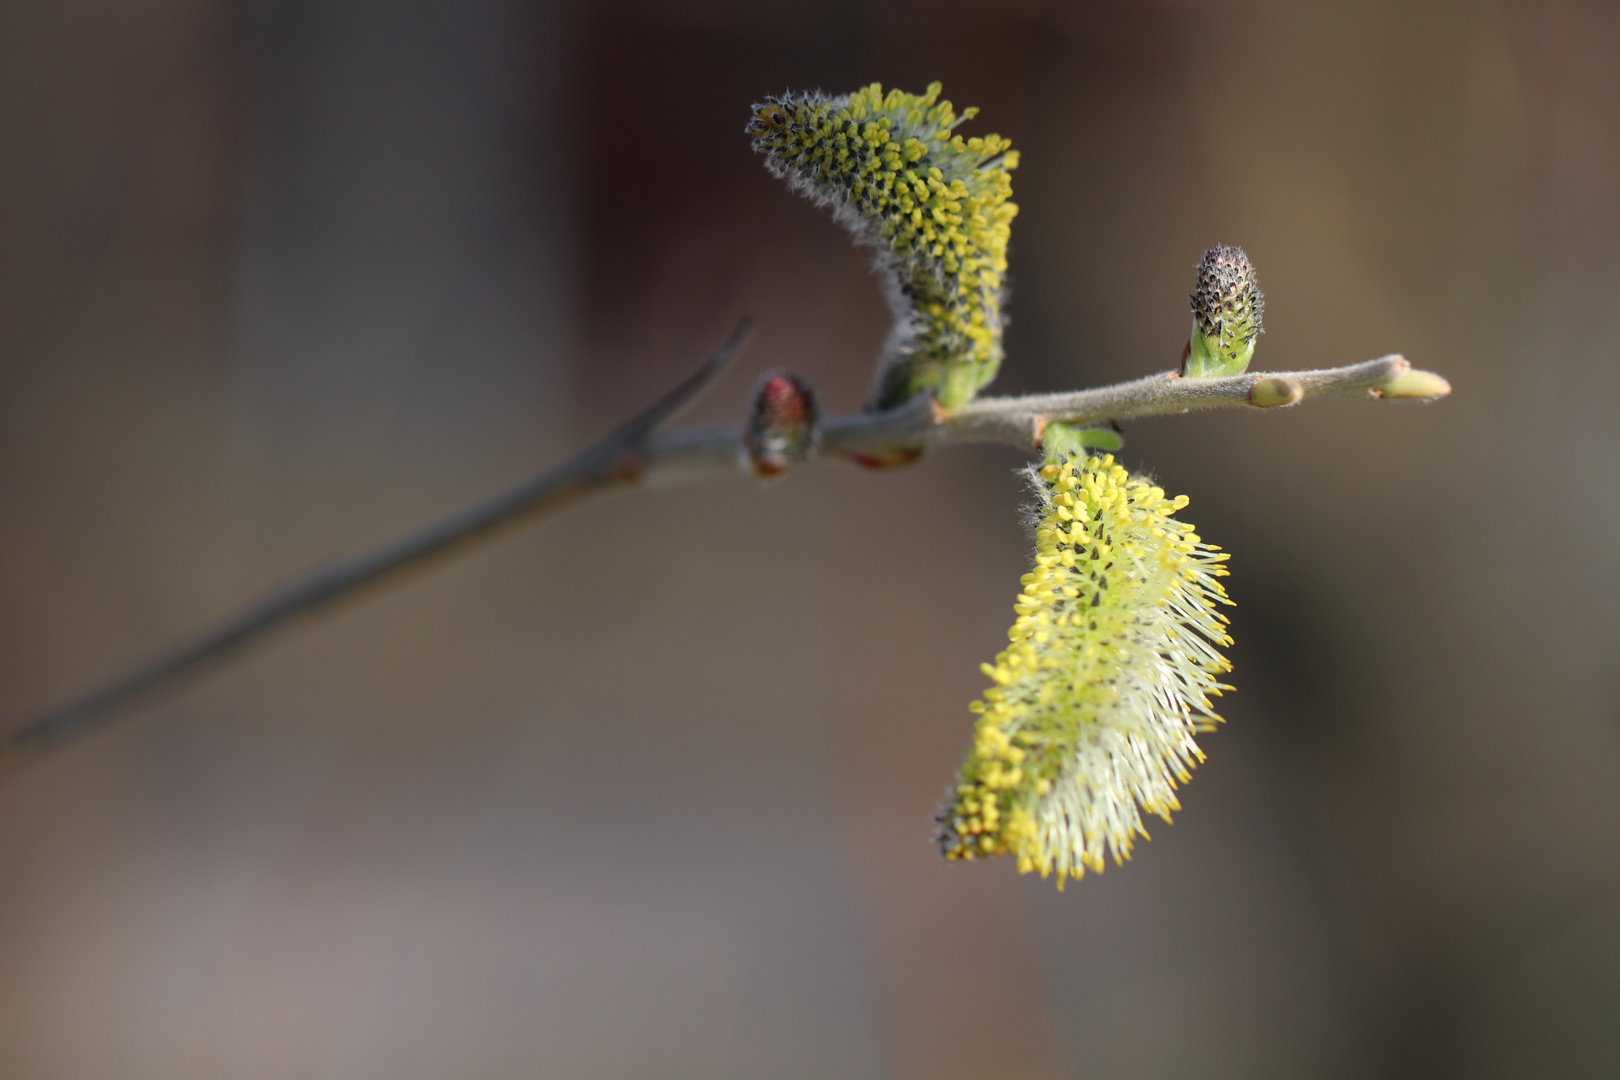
781	425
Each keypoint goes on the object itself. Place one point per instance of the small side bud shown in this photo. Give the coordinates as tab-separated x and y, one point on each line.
781	425
1226	306
1272	391
1414	384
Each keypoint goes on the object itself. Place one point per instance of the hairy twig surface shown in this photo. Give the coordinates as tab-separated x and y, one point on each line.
1019	421
634	453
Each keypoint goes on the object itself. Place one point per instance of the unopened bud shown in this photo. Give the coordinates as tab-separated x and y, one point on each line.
1272	391
1417	384
1226	307
781	425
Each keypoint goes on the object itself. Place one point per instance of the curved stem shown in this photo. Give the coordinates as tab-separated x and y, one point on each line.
633	453
615	460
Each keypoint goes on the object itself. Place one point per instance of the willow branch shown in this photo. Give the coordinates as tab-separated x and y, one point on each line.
614	461
634	453
1019	421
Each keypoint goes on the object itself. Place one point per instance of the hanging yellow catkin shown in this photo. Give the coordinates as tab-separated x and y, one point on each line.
1108	676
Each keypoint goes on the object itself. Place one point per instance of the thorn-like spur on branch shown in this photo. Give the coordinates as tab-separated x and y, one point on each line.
616	460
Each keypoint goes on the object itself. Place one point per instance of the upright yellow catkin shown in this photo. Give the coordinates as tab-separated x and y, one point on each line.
1108	676
936	208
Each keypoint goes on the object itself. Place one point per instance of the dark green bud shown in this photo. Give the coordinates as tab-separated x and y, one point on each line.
1226	309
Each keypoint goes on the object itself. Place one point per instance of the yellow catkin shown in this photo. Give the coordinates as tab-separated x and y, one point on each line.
1107	677
936	207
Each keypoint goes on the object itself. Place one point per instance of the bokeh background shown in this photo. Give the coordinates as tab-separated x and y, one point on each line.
645	791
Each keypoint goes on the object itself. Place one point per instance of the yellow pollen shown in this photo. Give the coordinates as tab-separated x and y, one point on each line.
1108	676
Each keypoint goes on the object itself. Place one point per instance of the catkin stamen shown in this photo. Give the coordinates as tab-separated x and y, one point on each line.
935	207
1108	675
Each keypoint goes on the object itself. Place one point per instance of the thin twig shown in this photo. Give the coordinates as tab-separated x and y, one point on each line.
1019	421
614	460
634	453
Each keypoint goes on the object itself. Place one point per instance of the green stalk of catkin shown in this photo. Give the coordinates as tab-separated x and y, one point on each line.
934	206
1112	661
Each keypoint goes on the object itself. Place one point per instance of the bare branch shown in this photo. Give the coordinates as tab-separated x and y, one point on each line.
634	453
613	461
1019	421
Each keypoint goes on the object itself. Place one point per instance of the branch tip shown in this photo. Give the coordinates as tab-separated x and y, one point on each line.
1413	384
687	390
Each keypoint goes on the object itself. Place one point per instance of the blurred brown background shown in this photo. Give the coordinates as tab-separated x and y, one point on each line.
645	791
